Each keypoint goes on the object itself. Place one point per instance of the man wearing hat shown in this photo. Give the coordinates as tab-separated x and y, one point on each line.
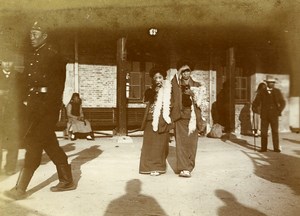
271	103
44	78
10	107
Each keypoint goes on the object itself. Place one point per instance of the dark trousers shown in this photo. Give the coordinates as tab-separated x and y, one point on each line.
11	159
42	137
265	122
186	144
10	141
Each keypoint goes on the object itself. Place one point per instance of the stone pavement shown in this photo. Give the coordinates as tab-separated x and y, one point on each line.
230	178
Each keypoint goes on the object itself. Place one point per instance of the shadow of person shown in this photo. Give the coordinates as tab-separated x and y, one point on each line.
134	203
244	143
277	168
172	160
292	141
10	207
45	159
82	157
233	207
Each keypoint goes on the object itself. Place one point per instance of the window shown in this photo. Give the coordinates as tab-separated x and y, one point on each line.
138	80
241	89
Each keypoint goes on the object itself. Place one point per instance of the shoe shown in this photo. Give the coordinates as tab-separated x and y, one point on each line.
73	137
16	193
65	178
277	150
19	191
185	173
262	150
89	137
154	173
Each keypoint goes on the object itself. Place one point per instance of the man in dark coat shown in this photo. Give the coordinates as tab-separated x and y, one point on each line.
45	78
10	113
271	103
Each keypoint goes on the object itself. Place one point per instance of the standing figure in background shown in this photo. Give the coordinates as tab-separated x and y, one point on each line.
10	114
256	111
271	103
156	124
223	107
44	85
77	125
185	113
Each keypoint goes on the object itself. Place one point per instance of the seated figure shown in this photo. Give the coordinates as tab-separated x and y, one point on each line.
78	127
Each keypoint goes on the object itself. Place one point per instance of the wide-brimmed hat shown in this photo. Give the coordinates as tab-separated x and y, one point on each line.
270	78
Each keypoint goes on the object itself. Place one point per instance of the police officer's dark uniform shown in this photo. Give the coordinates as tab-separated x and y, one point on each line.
10	111
45	78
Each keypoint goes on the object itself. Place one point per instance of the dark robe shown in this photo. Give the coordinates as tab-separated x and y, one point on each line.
186	144
155	143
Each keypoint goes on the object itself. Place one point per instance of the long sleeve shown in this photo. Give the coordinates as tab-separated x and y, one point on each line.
280	101
69	112
256	103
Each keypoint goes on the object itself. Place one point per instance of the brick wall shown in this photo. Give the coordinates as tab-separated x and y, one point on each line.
207	79
97	85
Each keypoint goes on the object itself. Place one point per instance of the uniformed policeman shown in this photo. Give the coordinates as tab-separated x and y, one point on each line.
45	78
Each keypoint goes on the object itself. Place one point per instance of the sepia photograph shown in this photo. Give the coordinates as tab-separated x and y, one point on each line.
143	108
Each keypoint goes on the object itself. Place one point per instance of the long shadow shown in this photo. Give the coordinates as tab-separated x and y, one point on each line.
277	168
292	141
9	208
297	152
172	160
45	159
83	157
233	207
241	142
134	203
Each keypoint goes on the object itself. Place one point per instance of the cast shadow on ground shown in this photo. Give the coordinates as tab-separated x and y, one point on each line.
292	141
134	203
244	143
277	168
83	157
45	159
11	207
172	160
233	207
297	152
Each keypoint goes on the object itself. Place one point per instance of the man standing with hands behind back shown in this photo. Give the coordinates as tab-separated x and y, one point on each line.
44	78
271	103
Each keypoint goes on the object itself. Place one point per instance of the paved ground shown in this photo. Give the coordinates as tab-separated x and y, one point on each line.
230	178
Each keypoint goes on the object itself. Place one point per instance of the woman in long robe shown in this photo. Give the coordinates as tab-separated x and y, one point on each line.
156	125
186	114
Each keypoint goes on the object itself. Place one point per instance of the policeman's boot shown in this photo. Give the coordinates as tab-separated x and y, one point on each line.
19	191
65	179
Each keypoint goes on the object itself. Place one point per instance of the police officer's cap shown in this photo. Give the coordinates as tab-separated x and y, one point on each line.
39	26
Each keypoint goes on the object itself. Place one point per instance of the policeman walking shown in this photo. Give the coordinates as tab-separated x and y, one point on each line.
45	78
